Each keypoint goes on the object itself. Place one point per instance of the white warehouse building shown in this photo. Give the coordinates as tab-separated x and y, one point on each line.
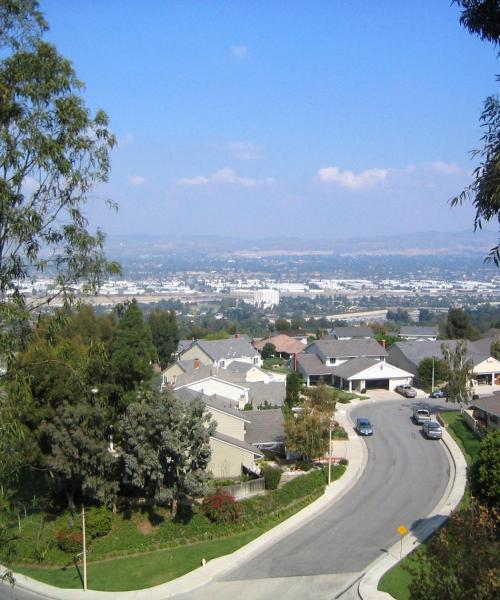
266	298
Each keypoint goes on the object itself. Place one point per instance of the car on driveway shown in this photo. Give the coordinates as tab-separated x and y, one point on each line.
421	415
439	393
432	430
363	426
406	390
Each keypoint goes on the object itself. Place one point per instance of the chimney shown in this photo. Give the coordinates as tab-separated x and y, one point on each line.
383	344
196	363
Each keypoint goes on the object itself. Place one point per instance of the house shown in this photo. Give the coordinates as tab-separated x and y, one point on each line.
487	411
240	436
354	364
350	333
285	345
220	353
417	332
409	354
229	450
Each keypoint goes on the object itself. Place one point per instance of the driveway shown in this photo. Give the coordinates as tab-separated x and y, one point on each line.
404	479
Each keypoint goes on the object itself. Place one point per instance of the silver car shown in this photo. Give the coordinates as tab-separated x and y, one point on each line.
421	415
432	430
406	390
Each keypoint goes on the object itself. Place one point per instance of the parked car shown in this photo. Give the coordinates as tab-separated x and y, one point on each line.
421	415
406	390
363	426
439	393
432	430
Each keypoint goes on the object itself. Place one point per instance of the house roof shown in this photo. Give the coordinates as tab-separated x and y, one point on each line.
282	343
240	368
416	350
235	442
310	364
353	367
348	348
490	404
418	330
265	426
226	349
259	391
352	331
183	345
215	401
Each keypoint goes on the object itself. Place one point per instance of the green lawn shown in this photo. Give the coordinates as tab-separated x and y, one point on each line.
153	548
142	571
397	580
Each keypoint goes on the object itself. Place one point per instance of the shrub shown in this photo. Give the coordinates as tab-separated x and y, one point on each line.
98	522
343	461
221	507
272	477
304	465
69	540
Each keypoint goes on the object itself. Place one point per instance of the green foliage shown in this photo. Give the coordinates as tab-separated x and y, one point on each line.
425	368
460	370
98	521
272	476
221	507
461	559
484	473
399	316
294	385
282	325
70	540
459	325
387	338
165	447
495	349
164	334
268	351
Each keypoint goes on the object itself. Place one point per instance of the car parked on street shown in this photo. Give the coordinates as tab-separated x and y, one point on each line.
421	415
432	430
406	390
363	426
439	393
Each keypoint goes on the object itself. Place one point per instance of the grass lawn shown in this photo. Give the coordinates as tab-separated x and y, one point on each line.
143	550
396	581
147	570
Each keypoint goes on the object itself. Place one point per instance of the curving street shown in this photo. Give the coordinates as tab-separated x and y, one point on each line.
403	481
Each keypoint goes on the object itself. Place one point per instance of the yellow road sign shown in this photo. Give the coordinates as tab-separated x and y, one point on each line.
402	530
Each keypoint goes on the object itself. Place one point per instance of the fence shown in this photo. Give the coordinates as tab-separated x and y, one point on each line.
246	489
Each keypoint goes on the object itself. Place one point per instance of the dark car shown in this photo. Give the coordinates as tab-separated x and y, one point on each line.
364	427
440	393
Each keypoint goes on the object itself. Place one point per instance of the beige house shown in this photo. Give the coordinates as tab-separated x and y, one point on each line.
220	353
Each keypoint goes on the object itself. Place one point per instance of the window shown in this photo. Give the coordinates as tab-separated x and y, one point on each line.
256	360
332	361
222	363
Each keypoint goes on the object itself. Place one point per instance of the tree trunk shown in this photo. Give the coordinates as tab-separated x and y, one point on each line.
173	508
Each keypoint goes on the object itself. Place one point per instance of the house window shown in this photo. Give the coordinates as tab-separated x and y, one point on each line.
222	363
332	361
256	360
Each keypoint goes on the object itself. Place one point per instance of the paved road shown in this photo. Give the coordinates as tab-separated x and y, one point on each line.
403	481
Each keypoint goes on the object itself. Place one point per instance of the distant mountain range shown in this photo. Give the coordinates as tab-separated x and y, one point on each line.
442	243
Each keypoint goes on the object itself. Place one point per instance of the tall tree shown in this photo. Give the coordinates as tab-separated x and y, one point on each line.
132	350
484	474
482	17
459	325
165	334
165	447
460	371
432	370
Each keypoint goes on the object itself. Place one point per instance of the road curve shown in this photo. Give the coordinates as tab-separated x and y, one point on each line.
404	479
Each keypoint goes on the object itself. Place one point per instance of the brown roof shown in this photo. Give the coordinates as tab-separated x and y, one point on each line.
490	404
282	343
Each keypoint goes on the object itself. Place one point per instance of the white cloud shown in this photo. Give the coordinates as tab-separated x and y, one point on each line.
225	176
350	180
440	166
244	150
240	51
136	180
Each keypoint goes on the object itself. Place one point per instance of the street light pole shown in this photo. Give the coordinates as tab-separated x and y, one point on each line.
84	552
432	375
330	453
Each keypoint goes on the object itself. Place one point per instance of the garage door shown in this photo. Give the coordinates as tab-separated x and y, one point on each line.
380	384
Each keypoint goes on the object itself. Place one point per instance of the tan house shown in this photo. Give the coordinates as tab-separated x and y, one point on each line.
220	353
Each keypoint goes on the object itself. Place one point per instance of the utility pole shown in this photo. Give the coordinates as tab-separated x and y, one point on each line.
432	387
330	453
84	552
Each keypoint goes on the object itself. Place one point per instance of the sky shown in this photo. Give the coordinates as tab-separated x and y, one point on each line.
263	118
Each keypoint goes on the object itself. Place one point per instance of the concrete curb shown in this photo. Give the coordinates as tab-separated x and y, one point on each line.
357	455
367	587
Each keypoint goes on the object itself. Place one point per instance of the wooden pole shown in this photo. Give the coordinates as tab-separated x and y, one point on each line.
84	552
330	454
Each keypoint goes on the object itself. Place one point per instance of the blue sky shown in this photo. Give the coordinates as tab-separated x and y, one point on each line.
260	118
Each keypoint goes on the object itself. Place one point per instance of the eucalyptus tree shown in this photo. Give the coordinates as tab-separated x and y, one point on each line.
460	371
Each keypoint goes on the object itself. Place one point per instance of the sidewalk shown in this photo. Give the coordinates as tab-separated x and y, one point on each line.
355	452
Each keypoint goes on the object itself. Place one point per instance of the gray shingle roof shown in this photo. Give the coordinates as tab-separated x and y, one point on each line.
183	345
265	427
218	402
310	364
239	368
490	404
416	351
347	348
418	330
353	367
235	442
231	348
352	332
274	392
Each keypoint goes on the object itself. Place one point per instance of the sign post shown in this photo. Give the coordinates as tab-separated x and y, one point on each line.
402	530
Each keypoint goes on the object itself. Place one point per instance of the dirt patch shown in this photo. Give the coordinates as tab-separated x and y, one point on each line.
146	527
